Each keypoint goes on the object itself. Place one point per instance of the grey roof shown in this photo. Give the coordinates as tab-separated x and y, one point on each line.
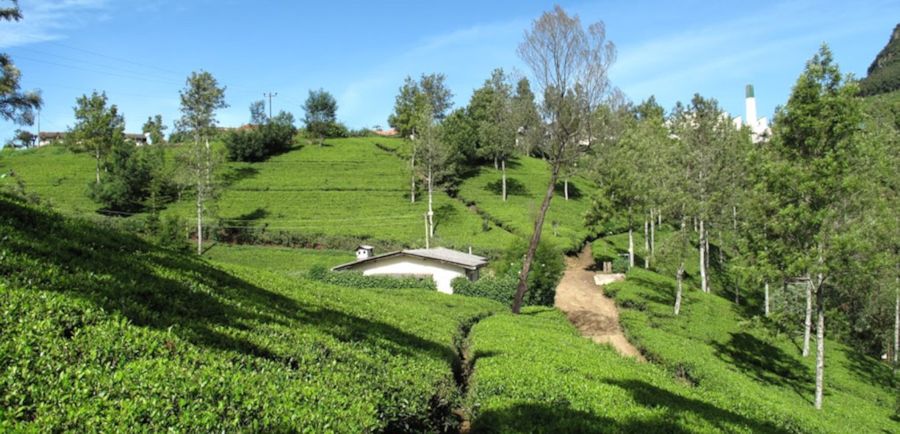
465	260
448	255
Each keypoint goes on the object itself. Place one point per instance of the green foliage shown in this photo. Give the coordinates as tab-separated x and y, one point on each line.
104	332
884	72
518	211
15	105
155	127
603	251
290	261
129	178
546	270
354	279
261	141
200	99
731	358
321	115
499	288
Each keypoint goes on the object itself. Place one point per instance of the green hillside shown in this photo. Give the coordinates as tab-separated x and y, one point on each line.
527	184
103	332
347	191
884	72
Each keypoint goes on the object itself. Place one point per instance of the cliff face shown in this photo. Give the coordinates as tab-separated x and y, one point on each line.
884	72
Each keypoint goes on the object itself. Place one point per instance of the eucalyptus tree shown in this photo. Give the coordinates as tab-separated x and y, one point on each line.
320	114
155	128
434	158
565	60
496	127
98	127
418	101
813	184
200	99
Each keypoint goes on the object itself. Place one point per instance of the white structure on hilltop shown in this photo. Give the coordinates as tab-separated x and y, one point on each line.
759	127
440	264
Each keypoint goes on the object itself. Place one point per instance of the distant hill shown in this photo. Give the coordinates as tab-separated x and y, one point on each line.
884	73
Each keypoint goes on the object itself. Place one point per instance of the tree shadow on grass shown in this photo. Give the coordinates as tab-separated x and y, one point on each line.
766	363
163	290
514	187
869	369
560	417
237	174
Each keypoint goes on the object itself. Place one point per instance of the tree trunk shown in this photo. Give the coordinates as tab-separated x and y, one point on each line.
630	248
97	157
430	203
503	176
897	325
652	233
679	276
535	239
820	341
427	243
566	187
734	218
199	219
807	324
767	299
659	218
707	262
703	259
412	182
646	244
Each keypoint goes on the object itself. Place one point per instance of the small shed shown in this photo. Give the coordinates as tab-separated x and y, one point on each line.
441	264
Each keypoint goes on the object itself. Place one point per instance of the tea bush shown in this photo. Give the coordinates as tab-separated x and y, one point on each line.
102	331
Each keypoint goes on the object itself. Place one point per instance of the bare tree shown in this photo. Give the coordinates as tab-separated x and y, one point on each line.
569	65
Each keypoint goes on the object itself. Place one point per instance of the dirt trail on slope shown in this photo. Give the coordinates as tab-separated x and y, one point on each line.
593	313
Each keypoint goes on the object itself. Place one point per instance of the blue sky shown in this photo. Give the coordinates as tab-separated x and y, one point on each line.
140	52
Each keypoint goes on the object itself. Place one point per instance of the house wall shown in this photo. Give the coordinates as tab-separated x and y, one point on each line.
442	273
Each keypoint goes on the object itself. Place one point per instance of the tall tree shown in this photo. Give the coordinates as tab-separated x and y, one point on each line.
321	114
258	113
200	99
155	127
565	59
440	98
98	127
433	156
812	182
15	105
526	118
412	107
496	131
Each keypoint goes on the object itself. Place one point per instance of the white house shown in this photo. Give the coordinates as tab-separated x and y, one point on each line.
442	265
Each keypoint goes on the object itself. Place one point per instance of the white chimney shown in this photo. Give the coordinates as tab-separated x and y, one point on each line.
364	252
750	106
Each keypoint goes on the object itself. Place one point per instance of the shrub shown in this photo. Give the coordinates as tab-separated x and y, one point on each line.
258	143
620	265
354	279
603	251
500	288
546	270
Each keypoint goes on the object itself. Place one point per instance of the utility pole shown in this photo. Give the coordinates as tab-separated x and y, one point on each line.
270	95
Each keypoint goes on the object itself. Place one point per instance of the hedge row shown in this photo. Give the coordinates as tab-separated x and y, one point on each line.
355	279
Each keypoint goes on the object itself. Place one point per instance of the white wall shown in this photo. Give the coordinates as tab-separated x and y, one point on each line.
442	273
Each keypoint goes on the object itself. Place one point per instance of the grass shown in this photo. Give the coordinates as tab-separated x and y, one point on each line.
349	190
730	350
533	373
527	181
282	260
104	332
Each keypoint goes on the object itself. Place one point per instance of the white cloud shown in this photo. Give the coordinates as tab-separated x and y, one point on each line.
47	20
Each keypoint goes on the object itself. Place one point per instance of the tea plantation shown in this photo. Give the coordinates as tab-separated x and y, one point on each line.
103	332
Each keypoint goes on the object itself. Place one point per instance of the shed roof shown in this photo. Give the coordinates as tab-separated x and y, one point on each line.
449	256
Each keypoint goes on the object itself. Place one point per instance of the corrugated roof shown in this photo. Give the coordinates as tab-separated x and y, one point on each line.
442	254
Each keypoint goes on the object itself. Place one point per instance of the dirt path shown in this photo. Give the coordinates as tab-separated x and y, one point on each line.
584	303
